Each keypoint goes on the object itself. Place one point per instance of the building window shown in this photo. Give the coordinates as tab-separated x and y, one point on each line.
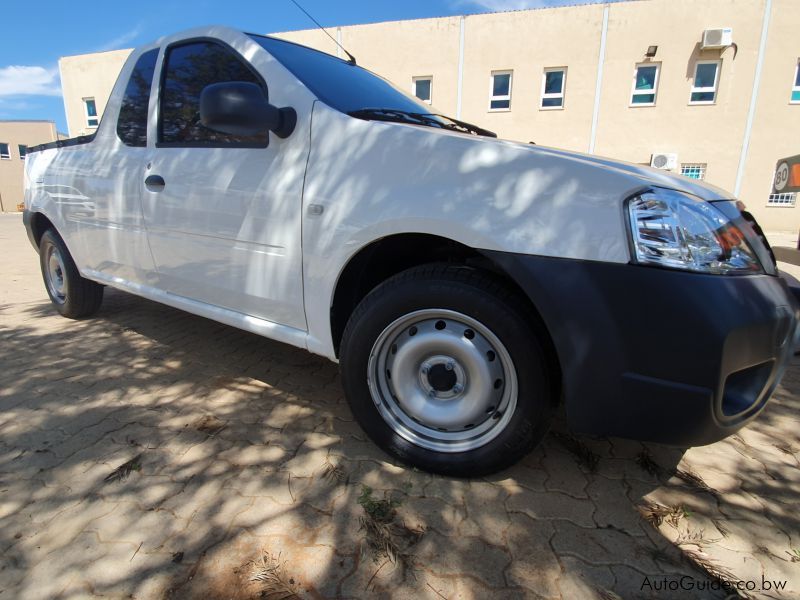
23	150
500	91
706	82
90	107
796	87
4	151
422	88
694	170
785	199
645	84
554	82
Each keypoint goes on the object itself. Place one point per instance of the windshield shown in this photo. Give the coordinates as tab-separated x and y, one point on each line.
337	83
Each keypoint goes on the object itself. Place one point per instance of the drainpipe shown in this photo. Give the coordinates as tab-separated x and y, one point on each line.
599	81
753	98
460	65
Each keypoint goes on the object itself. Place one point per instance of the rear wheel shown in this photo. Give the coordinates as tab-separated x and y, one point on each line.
72	295
443	370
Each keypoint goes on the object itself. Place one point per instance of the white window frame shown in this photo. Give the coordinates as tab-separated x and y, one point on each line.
493	98
562	94
702	168
414	81
795	84
715	88
783	200
6	156
654	91
86	112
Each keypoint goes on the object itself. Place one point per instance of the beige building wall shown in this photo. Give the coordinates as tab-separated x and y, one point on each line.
16	133
527	42
776	126
81	79
710	134
530	41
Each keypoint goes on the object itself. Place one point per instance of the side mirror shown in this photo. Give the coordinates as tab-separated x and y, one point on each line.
241	108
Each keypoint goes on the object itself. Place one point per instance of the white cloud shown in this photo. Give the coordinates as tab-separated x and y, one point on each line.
122	41
17	80
503	5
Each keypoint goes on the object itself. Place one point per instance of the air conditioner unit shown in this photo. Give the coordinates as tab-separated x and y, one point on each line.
666	161
717	38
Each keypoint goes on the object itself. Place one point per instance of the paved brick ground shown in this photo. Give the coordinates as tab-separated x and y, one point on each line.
244	462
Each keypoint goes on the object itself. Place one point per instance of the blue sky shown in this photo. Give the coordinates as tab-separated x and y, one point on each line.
35	36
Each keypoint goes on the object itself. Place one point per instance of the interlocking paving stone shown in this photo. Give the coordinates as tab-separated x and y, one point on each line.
248	447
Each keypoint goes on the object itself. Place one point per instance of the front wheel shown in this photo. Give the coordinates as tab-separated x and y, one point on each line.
72	295
442	369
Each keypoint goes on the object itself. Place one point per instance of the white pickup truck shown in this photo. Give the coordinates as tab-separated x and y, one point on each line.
466	285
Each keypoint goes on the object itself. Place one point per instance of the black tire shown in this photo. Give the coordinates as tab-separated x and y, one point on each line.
73	296
483	298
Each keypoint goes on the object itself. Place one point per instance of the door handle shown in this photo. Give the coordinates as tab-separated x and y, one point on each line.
155	183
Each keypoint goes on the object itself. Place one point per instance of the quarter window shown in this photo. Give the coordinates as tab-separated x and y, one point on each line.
188	69
23	150
500	91
554	82
90	108
423	88
694	170
706	82
796	87
4	151
645	85
132	121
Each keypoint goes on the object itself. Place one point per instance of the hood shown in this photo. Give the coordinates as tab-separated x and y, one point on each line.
644	174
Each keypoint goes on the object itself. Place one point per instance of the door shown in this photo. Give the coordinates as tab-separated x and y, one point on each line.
97	190
223	211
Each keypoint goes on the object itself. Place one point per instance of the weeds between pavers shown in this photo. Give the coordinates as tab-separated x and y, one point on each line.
578	449
121	472
386	537
334	473
656	514
648	464
271	573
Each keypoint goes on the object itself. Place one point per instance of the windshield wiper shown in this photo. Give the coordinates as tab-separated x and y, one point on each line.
459	125
416	118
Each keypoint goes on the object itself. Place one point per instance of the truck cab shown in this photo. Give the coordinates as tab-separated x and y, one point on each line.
467	285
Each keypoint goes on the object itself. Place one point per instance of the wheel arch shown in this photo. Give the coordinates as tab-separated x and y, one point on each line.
381	259
39	224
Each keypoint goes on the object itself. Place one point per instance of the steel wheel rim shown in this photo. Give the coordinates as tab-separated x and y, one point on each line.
55	274
442	380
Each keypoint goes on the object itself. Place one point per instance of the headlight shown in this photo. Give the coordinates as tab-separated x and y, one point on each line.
683	232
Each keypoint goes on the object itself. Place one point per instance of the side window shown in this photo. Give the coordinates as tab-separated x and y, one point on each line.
132	122
553	85
706	82
90	109
500	90
645	84
187	70
423	88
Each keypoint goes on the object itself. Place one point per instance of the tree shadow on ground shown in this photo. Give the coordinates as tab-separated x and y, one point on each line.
237	446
